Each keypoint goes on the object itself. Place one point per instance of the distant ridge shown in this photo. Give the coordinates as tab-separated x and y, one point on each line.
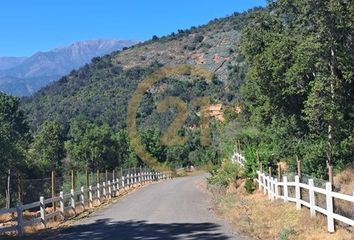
22	76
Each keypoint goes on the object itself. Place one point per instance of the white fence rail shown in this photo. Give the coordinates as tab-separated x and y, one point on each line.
238	158
280	190
69	201
271	187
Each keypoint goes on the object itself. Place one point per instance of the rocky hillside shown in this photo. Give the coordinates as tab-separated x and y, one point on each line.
24	76
100	91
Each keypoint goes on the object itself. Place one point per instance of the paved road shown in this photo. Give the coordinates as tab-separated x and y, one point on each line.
173	209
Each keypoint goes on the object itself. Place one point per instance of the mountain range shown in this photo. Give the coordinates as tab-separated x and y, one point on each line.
22	76
100	91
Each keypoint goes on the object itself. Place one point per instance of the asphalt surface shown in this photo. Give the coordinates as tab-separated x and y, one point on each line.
169	210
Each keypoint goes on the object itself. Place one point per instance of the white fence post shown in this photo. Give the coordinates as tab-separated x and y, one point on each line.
62	207
82	197
114	189
269	187
117	187
109	189
99	193
20	222
72	197
90	197
285	188
264	184
104	190
297	192
128	182
123	183
42	211
312	198
276	188
259	181
270	192
329	203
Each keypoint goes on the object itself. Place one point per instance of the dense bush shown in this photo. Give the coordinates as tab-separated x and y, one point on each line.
225	174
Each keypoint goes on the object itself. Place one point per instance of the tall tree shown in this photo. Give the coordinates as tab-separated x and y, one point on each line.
89	145
301	68
47	151
14	134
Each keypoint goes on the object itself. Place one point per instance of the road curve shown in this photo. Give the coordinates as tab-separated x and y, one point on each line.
170	210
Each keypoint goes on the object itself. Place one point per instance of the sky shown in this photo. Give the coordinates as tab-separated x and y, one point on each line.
28	26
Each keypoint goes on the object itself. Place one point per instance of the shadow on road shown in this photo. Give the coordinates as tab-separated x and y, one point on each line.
104	229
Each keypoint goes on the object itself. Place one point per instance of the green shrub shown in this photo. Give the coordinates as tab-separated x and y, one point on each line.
249	185
226	174
285	233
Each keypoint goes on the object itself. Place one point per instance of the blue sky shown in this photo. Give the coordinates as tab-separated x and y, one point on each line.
28	26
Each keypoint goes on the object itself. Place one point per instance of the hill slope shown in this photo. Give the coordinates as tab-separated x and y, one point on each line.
100	91
24	76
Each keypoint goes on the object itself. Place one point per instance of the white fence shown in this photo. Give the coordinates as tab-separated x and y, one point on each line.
238	158
280	190
69	201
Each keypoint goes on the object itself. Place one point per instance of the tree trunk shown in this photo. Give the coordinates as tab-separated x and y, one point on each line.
8	196
331	118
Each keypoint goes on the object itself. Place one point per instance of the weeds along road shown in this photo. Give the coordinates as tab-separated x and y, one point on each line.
172	209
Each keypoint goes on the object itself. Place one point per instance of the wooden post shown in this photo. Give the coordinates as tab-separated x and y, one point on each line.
298	166
82	197
53	191
87	179
99	193
20	222
42	211
72	179
279	172
106	176
330	174
98	176
90	197
270	172
8	193
62	208
19	188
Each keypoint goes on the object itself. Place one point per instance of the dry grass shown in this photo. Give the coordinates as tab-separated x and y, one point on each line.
254	214
344	180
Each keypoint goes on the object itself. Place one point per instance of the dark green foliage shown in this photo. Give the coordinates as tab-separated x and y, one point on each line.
227	174
249	185
298	93
47	150
14	134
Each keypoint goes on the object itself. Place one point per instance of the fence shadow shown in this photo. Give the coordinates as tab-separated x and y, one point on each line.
106	230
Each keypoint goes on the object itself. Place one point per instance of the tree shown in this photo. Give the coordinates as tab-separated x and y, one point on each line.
89	145
300	75
47	151
14	134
